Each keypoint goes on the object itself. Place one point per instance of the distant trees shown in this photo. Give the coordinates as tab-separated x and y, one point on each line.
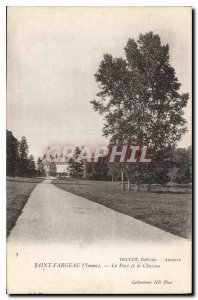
189	151
177	168
17	160
140	100
52	170
31	166
181	169
40	168
12	157
97	170
115	171
22	166
75	168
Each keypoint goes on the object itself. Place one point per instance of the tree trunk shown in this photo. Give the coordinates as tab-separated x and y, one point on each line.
129	185
123	185
149	187
137	186
171	183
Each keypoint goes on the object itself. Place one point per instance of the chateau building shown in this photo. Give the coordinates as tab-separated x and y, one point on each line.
54	168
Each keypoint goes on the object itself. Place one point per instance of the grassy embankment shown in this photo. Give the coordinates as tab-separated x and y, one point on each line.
18	191
168	211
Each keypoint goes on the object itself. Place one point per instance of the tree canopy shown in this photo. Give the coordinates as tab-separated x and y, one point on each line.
139	95
18	162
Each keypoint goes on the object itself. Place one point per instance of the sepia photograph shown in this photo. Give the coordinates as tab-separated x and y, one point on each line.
99	150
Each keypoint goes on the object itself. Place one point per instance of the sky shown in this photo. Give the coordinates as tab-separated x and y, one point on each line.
53	53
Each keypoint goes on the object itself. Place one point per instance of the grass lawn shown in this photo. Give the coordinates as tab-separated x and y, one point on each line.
18	191
168	211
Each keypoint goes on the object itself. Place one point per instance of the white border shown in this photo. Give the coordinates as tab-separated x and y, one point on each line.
3	148
98	3
3	4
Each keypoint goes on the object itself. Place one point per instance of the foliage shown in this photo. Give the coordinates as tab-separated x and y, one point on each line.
52	170
40	168
22	164
181	162
75	168
31	166
12	145
97	170
139	98
18	162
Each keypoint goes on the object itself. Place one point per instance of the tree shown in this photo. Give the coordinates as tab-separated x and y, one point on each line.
115	170
75	168
173	175
52	170
17	161
189	151
22	166
23	148
40	168
31	167
11	153
97	170
181	166
139	97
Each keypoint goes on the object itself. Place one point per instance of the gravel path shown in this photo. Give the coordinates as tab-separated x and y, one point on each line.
53	215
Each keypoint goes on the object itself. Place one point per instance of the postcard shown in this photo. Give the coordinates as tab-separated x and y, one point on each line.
99	150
